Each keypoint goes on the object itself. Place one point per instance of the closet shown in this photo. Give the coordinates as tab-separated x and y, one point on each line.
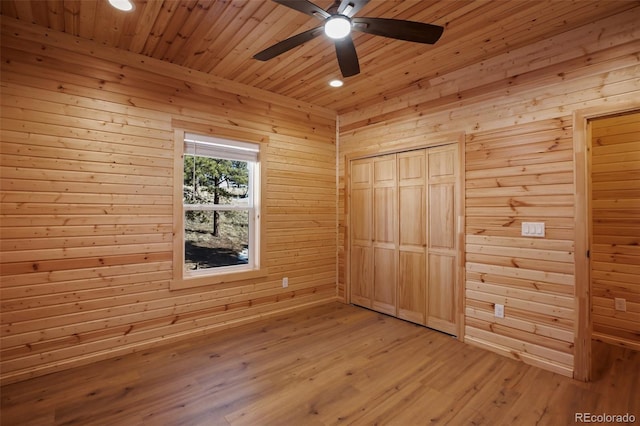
403	235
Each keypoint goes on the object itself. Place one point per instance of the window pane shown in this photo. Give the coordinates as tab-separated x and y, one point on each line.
216	238
215	181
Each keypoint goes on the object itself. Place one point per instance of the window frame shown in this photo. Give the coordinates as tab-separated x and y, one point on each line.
223	274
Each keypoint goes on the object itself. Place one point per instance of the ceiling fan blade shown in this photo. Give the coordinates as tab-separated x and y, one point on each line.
288	44
347	57
398	29
305	6
356	5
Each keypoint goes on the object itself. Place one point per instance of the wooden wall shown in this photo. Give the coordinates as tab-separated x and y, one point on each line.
513	175
87	135
516	112
87	146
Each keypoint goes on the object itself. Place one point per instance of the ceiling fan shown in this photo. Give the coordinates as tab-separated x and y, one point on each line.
339	20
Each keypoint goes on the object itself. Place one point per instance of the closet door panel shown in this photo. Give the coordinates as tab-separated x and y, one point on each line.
442	233
443	162
384	215
411	287
361	225
384	282
385	234
442	237
361	276
441	294
412	217
412	235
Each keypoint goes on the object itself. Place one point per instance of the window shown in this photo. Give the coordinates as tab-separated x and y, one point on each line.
220	215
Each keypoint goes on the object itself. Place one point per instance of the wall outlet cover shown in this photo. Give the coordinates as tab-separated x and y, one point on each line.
620	304
498	311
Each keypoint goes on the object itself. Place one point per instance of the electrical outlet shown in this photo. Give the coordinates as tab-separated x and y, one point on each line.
285	282
620	304
498	311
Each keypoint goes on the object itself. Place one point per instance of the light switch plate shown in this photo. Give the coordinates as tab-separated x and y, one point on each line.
498	311
532	229
620	304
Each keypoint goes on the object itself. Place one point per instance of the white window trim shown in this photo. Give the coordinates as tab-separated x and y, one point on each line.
223	274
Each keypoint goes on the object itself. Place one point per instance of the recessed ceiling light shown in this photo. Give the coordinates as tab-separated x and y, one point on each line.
336	83
124	5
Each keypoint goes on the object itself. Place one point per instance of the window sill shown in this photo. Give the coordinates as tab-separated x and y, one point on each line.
213	279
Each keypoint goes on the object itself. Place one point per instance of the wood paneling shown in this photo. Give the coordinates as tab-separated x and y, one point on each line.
220	38
516	110
86	187
615	228
87	140
502	82
506	268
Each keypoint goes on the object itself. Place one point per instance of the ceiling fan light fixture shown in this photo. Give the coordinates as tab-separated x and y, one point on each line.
337	27
124	5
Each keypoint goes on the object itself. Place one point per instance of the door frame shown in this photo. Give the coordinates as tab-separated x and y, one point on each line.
425	142
582	357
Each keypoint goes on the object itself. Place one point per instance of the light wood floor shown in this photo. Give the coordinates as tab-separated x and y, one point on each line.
334	364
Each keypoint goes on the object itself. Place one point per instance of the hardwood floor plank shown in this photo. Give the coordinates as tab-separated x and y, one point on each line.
328	365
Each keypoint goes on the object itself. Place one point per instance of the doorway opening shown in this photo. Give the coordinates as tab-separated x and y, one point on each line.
607	149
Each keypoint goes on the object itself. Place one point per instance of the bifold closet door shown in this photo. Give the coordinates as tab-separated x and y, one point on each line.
361	264
385	234
403	249
412	199
442	250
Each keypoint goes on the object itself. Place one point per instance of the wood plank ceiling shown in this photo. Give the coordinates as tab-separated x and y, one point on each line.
221	36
